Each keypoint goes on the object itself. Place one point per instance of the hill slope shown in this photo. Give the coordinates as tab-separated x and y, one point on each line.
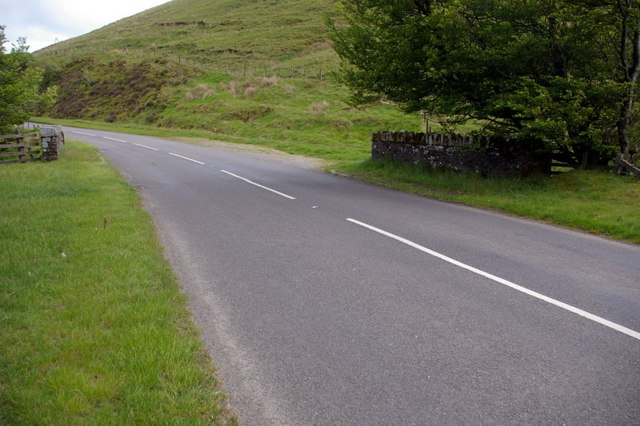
210	33
256	71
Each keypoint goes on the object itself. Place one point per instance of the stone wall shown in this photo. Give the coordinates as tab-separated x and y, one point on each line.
477	154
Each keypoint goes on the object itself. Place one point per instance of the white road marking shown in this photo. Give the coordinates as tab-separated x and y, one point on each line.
186	158
573	309
82	133
113	139
146	147
258	185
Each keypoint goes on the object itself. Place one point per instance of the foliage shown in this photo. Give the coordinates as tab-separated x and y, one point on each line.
19	85
541	69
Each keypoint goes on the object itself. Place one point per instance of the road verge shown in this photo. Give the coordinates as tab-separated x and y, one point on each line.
93	326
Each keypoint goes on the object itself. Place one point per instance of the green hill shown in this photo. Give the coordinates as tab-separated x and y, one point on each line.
213	33
251	71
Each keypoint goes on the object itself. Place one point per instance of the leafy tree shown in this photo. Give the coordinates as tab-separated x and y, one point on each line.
19	85
540	70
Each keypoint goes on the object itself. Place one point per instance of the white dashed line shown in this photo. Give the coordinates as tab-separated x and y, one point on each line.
258	185
83	133
113	139
573	309
146	147
186	158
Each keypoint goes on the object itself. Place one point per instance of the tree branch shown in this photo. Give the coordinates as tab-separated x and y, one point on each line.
624	36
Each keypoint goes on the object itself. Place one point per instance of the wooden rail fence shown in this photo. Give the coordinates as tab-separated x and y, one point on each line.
625	167
43	145
20	148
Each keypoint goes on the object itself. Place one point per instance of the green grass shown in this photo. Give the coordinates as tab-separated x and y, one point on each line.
93	326
297	116
211	34
301	115
593	201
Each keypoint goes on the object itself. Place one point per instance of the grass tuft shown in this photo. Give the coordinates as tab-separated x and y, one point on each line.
319	108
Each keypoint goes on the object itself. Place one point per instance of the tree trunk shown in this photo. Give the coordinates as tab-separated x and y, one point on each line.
630	62
623	124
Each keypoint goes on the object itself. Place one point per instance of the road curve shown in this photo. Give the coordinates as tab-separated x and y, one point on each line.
324	300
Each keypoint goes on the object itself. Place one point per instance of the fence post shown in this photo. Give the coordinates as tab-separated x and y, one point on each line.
20	142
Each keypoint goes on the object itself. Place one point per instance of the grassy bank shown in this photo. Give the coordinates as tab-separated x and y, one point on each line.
93	327
307	115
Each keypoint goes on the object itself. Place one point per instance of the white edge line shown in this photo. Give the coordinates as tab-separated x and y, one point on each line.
186	158
258	185
83	133
146	147
573	309
113	139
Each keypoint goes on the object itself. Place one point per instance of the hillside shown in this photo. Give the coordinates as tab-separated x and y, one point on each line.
250	71
214	34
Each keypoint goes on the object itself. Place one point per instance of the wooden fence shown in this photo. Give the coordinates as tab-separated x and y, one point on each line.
20	148
625	167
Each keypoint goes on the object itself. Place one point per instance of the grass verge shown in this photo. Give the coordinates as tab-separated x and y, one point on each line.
593	201
93	326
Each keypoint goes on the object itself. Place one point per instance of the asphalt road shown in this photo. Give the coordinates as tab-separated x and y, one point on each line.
327	301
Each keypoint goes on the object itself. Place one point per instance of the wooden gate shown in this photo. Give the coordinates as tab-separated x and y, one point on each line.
20	148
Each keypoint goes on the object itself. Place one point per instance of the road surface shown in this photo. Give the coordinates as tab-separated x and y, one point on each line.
327	301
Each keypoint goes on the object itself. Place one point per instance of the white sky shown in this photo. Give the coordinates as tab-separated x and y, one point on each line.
44	22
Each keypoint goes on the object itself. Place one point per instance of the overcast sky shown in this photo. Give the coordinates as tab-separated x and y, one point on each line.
44	22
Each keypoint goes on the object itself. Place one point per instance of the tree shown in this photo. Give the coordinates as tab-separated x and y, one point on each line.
629	54
20	83
538	70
